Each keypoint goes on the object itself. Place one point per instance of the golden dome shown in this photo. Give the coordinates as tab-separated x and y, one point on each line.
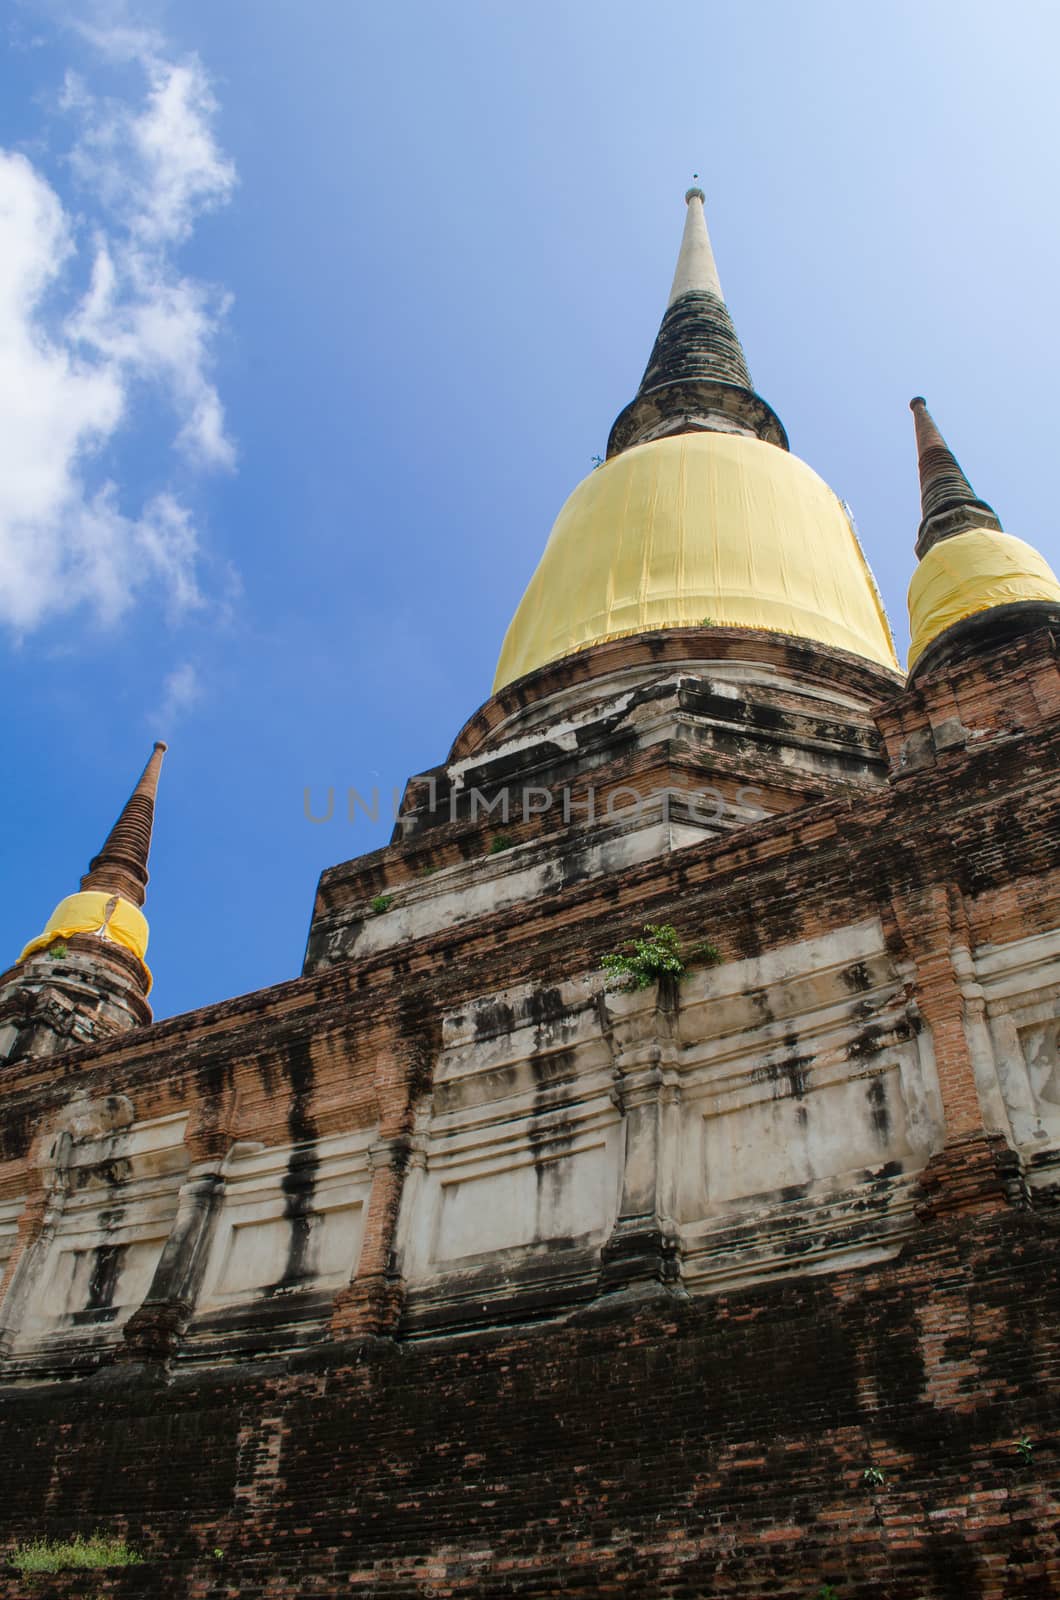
698	528
972	572
110	916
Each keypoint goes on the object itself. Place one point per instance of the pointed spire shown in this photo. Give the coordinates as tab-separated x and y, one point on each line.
949	504
121	866
697	270
697	338
696	379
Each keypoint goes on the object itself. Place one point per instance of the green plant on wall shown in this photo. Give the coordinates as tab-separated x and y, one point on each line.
657	953
67	1555
56	952
381	903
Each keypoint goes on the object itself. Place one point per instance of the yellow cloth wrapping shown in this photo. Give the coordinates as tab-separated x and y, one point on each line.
973	572
87	913
701	526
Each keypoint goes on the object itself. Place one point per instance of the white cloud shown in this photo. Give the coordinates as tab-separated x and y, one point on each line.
157	166
81	359
139	319
181	690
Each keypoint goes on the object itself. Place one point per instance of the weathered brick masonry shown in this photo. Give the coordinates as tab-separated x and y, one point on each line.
644	1442
715	1448
448	1269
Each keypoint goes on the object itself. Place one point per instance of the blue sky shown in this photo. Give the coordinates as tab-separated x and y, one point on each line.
312	316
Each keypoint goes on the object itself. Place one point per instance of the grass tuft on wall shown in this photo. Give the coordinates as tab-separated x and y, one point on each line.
65	1555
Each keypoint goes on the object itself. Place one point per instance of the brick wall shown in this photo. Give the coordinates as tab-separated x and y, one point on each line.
674	1449
714	1448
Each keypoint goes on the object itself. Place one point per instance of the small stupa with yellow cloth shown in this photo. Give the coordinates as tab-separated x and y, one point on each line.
85	974
973	580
